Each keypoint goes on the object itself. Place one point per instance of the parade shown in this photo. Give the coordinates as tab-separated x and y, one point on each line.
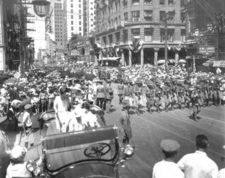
77	104
112	89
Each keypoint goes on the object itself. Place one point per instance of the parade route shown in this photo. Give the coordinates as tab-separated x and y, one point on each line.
149	129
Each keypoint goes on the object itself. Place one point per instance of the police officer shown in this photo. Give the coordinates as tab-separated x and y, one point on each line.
120	91
101	94
167	168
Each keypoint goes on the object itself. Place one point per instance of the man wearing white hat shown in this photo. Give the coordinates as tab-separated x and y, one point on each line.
167	168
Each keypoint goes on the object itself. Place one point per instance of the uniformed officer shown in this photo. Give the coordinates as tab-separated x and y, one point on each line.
167	168
120	91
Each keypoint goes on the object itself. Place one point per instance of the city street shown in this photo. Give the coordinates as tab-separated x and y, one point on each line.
150	129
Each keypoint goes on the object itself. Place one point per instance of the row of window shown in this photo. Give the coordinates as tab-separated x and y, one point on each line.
112	8
161	2
148	35
80	29
135	17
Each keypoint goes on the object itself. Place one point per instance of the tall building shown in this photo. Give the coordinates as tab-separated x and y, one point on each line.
136	29
59	25
89	17
74	17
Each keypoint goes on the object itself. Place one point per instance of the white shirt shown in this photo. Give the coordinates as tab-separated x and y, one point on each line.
166	169
221	173
15	170
27	119
59	105
198	165
88	117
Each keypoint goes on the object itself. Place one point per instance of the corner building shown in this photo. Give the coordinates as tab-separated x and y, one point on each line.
121	22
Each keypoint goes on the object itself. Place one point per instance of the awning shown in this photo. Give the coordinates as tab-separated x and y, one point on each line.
220	63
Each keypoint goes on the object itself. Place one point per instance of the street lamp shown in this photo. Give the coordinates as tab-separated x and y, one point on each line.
167	16
41	7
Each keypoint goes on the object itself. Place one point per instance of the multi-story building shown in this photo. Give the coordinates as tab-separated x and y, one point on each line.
137	29
59	25
89	17
74	17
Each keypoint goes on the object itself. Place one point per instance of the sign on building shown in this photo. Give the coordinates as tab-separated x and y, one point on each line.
206	50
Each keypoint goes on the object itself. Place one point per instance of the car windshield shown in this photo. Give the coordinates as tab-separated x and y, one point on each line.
83	147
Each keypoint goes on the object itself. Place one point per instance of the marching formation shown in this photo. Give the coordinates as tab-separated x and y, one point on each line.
79	103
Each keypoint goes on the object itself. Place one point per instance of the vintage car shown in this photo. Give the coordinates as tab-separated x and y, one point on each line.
92	153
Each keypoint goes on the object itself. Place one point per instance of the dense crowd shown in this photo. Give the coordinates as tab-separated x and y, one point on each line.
79	101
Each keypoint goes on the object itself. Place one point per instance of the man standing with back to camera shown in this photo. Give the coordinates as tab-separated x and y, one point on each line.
198	164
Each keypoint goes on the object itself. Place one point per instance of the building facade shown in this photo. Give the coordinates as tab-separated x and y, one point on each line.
89	17
136	29
74	17
59	25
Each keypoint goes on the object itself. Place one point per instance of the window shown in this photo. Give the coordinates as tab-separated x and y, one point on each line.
148	34
71	5
71	22
110	39
148	15
71	10
72	28
135	16
104	40
148	2
162	15
79	22
126	16
135	2
161	2
125	3
71	16
135	32
182	16
80	29
183	35
170	35
162	35
117	36
125	36
170	2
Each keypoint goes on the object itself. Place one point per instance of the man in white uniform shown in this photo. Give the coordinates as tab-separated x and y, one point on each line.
167	168
198	164
61	108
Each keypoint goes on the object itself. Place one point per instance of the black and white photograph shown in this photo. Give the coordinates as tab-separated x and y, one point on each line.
112	88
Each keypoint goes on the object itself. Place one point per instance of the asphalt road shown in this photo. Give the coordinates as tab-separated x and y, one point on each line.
149	129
